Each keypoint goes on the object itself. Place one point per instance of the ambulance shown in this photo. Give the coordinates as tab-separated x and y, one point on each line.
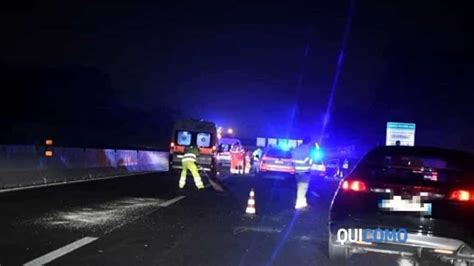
200	133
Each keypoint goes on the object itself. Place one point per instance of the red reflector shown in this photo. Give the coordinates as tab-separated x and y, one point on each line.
358	186
354	185
460	195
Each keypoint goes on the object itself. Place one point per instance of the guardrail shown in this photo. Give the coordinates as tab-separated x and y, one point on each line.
27	165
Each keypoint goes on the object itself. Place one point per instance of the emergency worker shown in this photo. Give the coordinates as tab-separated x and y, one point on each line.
189	163
302	158
248	162
257	154
345	167
236	159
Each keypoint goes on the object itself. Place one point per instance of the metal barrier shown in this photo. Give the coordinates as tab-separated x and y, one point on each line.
27	165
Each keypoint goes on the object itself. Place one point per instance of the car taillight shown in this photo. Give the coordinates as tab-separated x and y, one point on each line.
354	185
171	144
461	195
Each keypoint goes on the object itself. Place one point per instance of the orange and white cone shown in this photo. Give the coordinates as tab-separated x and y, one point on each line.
251	203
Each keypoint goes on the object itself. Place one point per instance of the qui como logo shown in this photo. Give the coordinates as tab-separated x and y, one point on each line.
368	235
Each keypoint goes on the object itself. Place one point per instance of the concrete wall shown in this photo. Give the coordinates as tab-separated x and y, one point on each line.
26	165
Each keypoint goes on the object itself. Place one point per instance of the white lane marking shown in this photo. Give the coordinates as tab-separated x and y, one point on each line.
60	251
261	229
270	230
305	238
172	201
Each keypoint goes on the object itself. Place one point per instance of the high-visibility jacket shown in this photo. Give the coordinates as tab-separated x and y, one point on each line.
236	161
190	155
302	159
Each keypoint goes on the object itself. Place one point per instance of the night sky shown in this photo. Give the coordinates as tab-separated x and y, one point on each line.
239	64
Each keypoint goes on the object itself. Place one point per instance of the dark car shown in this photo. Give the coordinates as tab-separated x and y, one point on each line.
425	194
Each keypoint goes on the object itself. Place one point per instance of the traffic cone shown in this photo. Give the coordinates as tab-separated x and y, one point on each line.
251	203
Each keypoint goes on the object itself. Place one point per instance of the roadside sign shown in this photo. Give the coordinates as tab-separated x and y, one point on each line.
404	133
261	142
272	142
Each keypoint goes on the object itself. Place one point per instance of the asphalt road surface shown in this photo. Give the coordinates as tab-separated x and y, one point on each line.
147	220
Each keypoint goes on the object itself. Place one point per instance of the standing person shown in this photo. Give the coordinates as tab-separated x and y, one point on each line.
249	162
302	159
189	163
236	159
257	155
345	167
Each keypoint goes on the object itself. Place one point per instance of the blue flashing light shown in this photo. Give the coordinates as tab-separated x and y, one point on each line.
284	146
317	154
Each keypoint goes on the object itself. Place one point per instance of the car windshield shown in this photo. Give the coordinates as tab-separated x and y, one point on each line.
224	147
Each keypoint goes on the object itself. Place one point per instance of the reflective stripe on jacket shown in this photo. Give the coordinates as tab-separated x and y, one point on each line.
189	157
301	157
302	166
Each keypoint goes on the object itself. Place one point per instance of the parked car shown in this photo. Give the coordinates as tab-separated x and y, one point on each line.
277	161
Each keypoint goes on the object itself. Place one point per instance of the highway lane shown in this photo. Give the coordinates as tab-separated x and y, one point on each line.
146	220
37	221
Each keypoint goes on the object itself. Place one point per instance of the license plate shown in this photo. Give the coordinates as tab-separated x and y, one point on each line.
397	204
279	162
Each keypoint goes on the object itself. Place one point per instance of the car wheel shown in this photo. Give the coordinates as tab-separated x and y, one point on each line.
337	253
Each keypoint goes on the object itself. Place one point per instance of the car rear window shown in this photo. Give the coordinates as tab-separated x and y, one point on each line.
184	138
203	140
275	153
415	165
224	148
